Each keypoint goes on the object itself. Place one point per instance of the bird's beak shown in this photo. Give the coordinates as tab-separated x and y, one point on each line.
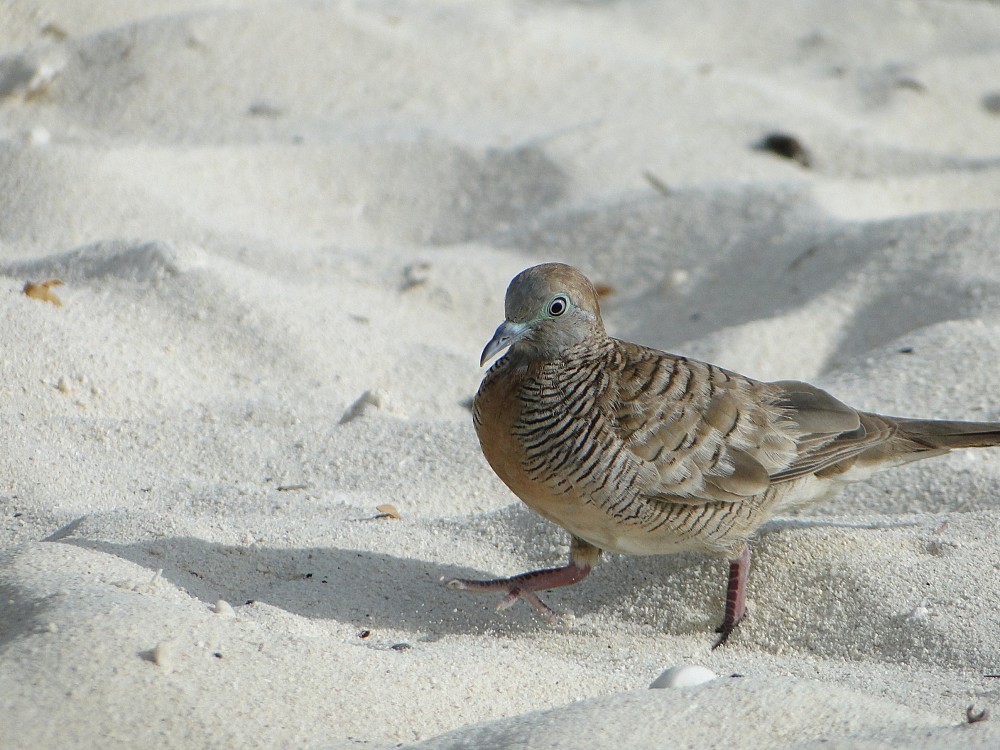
506	334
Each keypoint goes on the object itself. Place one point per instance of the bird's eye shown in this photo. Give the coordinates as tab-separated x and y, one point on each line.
558	306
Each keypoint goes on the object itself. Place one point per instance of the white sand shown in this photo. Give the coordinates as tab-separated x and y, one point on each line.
263	211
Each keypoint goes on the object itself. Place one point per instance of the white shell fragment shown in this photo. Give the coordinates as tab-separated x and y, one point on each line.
38	136
223	608
684	675
373	399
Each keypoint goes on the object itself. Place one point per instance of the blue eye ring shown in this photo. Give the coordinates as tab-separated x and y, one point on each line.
558	306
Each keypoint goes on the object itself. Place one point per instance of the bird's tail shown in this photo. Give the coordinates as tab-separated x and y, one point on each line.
937	434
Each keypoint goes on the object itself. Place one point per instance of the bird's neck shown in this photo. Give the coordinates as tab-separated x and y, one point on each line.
526	356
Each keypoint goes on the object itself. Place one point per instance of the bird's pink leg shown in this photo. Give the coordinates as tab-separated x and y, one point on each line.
736	596
582	558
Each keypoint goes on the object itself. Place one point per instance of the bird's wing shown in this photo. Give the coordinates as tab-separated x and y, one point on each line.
710	435
832	433
714	436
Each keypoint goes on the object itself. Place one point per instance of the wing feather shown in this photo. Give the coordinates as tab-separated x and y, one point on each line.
726	438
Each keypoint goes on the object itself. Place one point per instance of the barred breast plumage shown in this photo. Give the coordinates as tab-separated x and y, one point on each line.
638	451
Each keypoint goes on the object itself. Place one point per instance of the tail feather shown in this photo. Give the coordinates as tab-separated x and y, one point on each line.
939	433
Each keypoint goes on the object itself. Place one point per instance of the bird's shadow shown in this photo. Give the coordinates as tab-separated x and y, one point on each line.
679	595
378	590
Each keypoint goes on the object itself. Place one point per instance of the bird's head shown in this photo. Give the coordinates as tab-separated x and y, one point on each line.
549	308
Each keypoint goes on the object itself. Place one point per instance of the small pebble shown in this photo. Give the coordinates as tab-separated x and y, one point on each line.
787	146
685	675
55	31
264	109
223	608
163	655
416	274
657	184
679	280
401	647
43	77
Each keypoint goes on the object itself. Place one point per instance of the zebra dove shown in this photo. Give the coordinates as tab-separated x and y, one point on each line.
637	451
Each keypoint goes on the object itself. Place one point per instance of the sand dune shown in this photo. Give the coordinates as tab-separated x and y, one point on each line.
284	231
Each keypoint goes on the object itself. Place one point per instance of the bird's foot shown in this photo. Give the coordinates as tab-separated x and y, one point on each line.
726	629
525	585
736	596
